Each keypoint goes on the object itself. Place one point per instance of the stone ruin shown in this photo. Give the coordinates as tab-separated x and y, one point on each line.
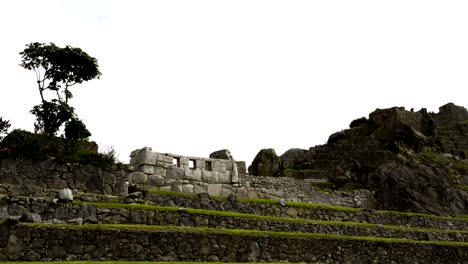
184	173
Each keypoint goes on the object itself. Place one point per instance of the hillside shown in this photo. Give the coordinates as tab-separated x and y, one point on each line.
413	161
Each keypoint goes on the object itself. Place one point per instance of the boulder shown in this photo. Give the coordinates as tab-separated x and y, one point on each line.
222	154
293	156
66	195
266	163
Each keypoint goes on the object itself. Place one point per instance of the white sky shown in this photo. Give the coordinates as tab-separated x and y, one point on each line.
192	77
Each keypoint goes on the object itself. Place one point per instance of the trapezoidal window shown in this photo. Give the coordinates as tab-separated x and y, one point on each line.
175	162
208	166
192	164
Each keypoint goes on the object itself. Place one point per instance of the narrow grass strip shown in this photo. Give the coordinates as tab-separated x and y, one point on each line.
241	232
266	218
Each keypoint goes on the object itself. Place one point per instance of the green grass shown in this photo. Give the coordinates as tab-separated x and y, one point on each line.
170	193
130	206
323	206
432	158
241	232
422	215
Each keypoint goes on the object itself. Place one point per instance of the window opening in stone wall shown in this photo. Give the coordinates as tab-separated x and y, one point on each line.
176	162
208	166
192	164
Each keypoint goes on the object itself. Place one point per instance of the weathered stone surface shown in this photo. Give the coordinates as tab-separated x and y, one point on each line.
137	177
224	177
215	189
187	188
193	174
222	154
407	188
175	173
14	245
155	180
266	163
293	156
66	195
147	169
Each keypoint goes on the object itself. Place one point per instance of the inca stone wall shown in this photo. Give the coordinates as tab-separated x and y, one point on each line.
50	211
47	243
48	177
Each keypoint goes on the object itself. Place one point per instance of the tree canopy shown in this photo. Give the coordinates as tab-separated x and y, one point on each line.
57	69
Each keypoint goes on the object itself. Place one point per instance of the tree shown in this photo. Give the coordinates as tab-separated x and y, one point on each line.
57	69
4	125
75	129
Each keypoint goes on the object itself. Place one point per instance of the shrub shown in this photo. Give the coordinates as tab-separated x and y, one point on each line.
23	144
75	129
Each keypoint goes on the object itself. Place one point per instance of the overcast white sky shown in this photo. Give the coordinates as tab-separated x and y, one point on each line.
192	77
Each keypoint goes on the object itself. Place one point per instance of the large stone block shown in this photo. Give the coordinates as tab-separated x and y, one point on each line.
241	192
176	188
224	177
210	176
161	171
199	189
226	192
234	174
216	165
215	189
187	188
143	156
148	169
193	174
137	177
175	173
66	194
222	167
155	180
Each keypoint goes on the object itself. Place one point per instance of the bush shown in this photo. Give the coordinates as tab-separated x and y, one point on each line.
20	144
75	129
23	144
359	122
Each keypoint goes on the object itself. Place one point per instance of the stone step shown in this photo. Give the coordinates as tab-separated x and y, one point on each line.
166	243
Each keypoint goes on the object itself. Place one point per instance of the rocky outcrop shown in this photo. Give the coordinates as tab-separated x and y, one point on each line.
266	163
222	154
292	157
413	160
416	188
